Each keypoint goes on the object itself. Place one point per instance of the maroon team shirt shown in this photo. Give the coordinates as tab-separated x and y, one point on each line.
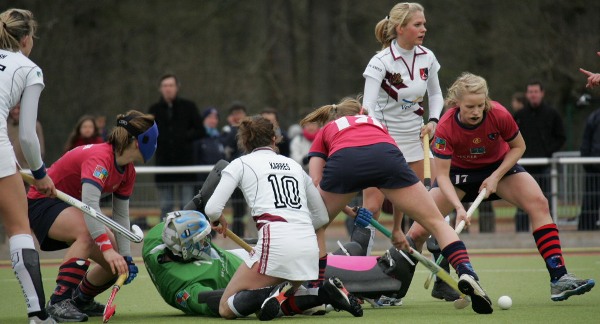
349	131
475	147
94	164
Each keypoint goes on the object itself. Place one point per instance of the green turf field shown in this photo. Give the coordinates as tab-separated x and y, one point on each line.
522	277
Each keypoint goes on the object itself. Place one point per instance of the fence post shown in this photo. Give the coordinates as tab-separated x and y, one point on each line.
554	188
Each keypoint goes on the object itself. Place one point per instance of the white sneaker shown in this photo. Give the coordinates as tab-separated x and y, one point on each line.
37	320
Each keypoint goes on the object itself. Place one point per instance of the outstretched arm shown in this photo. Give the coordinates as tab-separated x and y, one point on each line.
593	79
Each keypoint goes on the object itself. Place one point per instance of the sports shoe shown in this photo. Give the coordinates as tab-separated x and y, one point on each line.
65	311
334	293
272	305
90	308
481	303
441	290
37	320
568	285
389	301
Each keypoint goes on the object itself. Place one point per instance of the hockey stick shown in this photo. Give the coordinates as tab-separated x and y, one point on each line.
432	266
238	240
459	229
137	236
426	162
109	309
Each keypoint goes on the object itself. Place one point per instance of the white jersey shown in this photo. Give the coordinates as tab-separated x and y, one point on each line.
402	78
16	72
275	187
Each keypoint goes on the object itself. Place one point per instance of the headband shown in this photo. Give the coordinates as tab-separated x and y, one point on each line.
147	140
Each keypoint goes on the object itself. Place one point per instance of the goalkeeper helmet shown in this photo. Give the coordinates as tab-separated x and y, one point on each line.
186	234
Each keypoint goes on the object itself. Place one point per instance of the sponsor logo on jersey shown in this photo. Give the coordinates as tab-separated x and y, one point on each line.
424	73
478	150
476	140
493	136
101	173
182	297
440	144
39	74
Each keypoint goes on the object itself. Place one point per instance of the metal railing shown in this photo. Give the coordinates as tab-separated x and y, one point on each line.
566	179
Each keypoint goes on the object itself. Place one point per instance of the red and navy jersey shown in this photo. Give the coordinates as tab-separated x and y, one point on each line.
475	147
94	164
349	131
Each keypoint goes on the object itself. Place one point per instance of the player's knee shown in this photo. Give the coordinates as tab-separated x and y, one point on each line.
538	205
225	312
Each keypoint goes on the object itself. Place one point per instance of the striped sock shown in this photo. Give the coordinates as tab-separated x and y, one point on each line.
456	253
548	244
70	274
86	291
319	282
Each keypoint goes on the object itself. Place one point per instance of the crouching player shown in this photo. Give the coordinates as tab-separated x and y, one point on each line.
190	272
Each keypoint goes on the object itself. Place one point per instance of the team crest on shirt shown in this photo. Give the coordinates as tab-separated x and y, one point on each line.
493	136
101	173
476	140
440	144
424	72
182	297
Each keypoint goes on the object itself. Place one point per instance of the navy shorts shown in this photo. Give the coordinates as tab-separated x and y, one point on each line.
379	165
469	180
42	214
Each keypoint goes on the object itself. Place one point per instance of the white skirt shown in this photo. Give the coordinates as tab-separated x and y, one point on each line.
287	251
8	161
412	150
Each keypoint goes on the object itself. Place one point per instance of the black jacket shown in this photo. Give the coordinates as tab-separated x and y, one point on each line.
590	143
543	130
178	127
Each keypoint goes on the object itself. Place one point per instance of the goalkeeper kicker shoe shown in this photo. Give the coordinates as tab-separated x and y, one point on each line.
568	285
481	303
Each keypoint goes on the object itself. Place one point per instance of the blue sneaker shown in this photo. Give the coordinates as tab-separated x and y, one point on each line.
568	285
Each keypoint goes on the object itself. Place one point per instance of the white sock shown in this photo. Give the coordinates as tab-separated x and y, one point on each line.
17	244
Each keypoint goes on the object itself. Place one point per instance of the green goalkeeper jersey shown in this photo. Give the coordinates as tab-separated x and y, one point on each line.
179	283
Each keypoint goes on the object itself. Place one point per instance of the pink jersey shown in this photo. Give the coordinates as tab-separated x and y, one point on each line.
94	164
478	147
349	131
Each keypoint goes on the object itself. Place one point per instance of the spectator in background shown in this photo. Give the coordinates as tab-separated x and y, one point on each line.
283	141
13	136
209	150
294	130
544	133
237	112
517	102
85	132
590	146
593	79
101	124
179	124
300	144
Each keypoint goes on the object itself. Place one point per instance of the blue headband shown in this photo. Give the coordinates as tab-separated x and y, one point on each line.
147	140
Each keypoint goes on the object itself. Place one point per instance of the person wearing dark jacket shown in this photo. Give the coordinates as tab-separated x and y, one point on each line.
209	149
590	146
544	133
180	125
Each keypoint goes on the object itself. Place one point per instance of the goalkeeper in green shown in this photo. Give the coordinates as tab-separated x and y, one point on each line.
183	269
